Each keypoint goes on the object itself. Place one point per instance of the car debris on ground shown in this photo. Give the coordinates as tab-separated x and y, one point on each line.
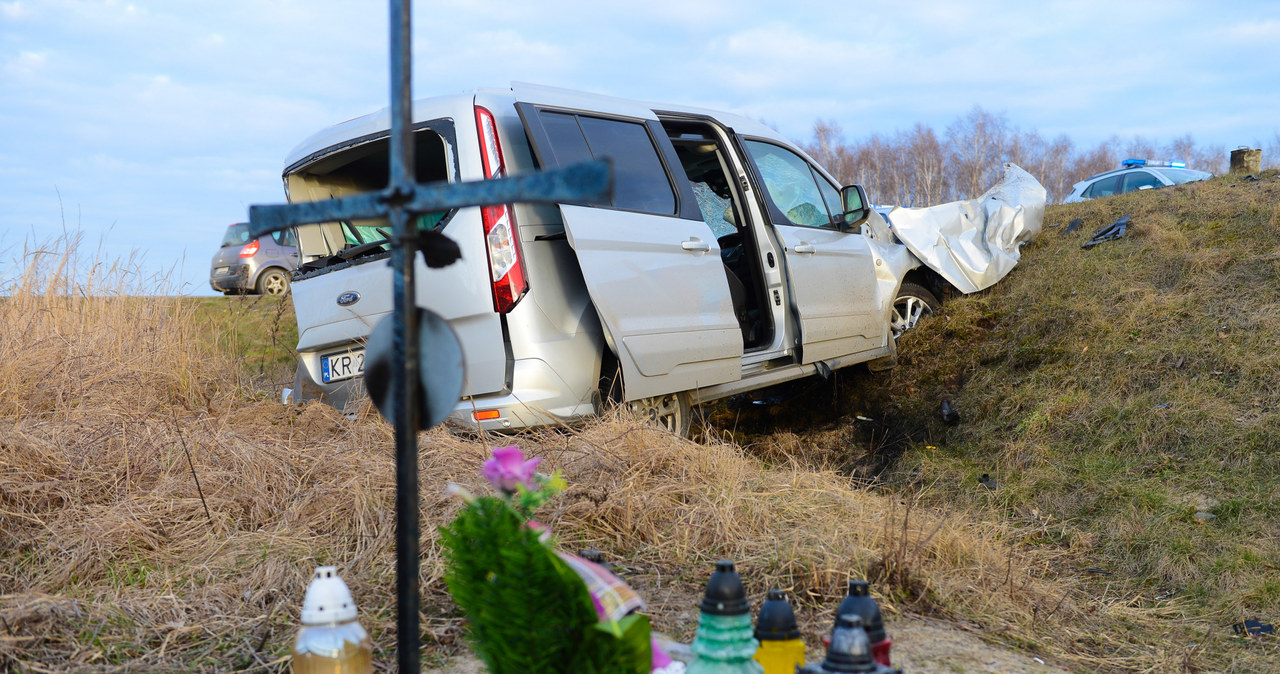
1114	230
1252	628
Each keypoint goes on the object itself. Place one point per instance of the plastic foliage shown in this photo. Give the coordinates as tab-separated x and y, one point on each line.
527	610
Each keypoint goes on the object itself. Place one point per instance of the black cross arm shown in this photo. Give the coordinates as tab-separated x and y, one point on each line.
586	181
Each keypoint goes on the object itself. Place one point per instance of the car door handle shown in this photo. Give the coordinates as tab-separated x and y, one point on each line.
805	249
695	244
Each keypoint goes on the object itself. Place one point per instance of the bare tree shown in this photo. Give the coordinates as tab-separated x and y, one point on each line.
1211	159
915	168
1056	179
975	145
924	154
1141	148
827	142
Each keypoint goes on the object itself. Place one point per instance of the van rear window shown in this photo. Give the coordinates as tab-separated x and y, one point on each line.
357	166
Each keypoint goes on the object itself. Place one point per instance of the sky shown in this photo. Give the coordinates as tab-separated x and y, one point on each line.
146	127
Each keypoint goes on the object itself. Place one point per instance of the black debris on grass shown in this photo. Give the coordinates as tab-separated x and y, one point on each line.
1114	230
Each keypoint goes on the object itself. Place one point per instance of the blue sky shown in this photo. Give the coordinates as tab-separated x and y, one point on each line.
151	125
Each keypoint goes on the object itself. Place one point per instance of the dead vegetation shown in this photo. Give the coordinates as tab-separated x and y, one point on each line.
115	406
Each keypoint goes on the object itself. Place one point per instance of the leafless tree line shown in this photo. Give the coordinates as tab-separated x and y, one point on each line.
921	168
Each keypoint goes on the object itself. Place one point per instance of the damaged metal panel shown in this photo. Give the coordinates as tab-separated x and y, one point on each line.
974	243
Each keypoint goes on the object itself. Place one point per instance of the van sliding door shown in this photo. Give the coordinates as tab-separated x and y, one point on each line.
651	264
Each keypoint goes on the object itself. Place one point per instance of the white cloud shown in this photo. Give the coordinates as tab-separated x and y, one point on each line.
1245	33
13	10
27	63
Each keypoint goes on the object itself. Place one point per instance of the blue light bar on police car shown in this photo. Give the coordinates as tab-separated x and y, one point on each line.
1147	162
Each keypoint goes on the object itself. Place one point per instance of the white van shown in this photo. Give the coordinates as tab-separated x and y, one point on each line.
723	263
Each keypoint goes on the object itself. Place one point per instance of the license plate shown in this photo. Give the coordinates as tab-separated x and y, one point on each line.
339	366
221	271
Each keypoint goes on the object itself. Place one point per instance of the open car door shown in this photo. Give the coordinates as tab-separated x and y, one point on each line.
650	262
831	272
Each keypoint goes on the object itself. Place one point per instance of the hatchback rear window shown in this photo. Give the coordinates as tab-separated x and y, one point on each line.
236	235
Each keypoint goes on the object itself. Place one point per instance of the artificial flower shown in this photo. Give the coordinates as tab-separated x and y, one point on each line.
508	469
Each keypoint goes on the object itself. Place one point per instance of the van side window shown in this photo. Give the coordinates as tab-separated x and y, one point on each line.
791	184
640	179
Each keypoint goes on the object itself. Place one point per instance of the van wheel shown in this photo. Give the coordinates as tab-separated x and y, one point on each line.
914	302
672	412
273	282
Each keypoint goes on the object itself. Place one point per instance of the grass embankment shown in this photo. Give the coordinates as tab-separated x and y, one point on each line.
1124	398
1087	553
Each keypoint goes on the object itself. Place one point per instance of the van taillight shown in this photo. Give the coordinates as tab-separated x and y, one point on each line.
506	265
250	249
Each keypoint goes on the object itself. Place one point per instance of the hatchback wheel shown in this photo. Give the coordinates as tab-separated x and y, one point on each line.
273	282
672	412
914	302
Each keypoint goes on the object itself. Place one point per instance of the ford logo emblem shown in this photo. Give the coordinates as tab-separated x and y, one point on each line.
348	298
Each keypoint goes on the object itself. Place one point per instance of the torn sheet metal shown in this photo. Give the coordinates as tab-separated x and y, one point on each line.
974	243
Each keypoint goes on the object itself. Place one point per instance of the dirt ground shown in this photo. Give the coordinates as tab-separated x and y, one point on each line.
919	645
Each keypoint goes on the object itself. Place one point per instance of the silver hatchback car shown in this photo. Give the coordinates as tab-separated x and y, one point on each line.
262	266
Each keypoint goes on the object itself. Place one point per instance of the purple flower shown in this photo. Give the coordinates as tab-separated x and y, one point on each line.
508	468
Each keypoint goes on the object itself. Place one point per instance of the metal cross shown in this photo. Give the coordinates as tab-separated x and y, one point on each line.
399	202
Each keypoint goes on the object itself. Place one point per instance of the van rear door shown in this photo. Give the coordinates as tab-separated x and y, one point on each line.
337	264
650	262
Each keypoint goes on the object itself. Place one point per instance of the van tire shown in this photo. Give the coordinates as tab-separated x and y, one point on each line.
273	282
914	302
672	411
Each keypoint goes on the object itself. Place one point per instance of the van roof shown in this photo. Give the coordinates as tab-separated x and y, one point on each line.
446	106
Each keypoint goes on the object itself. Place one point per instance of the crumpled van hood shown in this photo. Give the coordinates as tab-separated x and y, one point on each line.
974	243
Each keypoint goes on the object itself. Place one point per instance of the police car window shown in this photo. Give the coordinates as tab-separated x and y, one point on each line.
640	179
1103	188
1139	179
791	185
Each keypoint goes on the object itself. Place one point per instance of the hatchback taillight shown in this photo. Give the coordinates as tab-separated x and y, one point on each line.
250	249
506	264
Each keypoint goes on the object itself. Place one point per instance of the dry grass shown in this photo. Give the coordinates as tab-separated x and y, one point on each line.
112	558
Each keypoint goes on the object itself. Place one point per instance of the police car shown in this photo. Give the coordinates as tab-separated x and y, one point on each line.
1133	175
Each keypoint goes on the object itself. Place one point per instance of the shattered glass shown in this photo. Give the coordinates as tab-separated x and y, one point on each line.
790	184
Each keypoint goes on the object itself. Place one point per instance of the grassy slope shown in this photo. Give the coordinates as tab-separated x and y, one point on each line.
1112	393
1117	395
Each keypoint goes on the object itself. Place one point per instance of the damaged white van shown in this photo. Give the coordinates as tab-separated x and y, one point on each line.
725	261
